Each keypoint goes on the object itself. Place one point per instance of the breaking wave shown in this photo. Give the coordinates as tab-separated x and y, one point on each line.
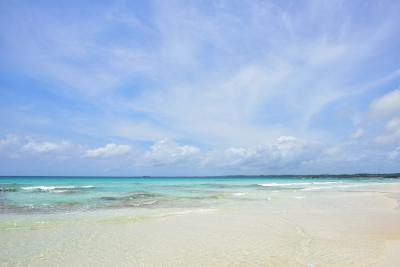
57	189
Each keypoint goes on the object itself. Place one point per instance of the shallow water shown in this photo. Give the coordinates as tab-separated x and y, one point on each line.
216	221
60	194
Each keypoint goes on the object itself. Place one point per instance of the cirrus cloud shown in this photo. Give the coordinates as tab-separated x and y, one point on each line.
388	104
135	78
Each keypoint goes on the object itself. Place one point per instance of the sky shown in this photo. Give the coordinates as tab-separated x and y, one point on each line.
131	88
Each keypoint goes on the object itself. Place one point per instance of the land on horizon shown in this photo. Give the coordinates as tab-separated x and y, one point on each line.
343	175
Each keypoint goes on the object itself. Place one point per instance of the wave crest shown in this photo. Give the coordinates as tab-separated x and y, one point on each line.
57	189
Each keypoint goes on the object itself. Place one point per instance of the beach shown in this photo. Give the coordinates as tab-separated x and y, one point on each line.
257	133
278	223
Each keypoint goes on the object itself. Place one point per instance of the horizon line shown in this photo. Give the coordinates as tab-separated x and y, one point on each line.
388	175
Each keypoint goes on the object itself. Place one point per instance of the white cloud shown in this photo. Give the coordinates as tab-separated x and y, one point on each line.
388	104
395	154
9	140
186	72
343	152
359	132
165	152
286	151
386	111
21	147
109	150
45	147
226	80
247	92
391	133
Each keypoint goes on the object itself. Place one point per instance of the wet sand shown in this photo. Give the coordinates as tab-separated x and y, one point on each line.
349	227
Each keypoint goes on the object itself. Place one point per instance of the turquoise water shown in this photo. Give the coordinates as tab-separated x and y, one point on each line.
53	194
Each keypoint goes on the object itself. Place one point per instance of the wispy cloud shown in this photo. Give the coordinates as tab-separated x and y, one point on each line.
109	150
222	81
165	152
45	147
387	105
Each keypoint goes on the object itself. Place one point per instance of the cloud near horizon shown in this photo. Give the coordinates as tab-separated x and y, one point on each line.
199	88
109	150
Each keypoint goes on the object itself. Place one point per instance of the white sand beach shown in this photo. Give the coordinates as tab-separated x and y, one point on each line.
349	227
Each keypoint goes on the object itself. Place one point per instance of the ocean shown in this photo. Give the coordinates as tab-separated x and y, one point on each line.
66	194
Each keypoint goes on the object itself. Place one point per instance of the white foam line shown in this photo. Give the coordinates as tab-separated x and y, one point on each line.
290	184
344	186
51	188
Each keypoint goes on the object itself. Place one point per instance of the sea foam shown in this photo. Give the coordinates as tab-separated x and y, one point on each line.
294	184
57	189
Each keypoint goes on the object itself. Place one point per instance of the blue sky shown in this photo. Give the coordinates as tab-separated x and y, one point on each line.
199	87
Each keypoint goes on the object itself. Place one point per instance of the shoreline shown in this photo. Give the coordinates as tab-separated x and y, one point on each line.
354	227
